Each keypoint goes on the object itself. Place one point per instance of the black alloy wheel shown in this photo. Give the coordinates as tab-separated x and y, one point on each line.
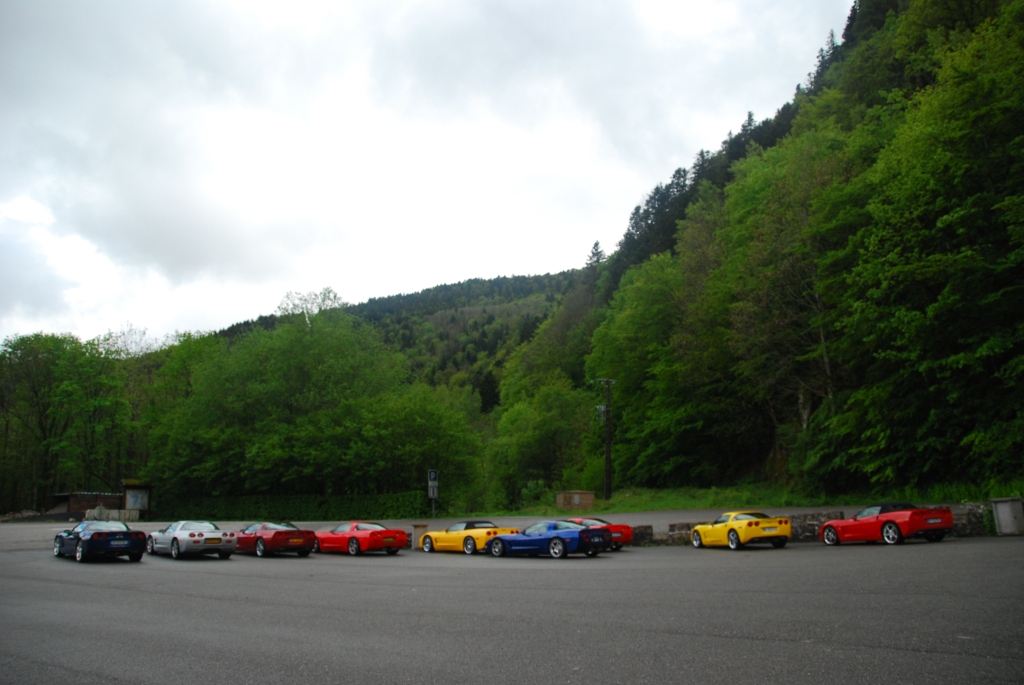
892	534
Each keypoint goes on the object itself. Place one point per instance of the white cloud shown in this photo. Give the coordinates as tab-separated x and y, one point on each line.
182	165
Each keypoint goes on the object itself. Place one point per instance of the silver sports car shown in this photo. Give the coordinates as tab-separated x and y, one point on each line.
192	537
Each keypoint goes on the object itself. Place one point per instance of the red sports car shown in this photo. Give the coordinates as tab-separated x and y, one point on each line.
889	522
267	539
621	533
356	537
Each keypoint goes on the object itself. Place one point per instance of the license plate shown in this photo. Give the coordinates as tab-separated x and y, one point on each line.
118	543
213	541
769	530
934	520
616	535
296	540
389	539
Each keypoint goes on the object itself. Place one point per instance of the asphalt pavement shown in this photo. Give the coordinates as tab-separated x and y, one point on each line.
918	613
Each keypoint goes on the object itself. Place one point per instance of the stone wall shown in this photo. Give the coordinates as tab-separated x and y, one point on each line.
805	526
969	520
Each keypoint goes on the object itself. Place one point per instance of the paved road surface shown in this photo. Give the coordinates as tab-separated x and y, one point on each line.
921	613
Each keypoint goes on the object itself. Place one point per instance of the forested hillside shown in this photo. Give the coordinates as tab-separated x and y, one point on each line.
831	301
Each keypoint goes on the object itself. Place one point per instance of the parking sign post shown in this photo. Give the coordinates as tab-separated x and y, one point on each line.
432	490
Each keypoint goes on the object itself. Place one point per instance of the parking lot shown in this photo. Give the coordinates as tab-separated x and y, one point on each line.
917	613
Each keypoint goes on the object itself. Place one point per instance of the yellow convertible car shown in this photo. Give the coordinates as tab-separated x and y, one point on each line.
738	528
468	536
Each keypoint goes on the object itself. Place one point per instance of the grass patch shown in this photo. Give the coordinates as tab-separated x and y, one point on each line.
763	495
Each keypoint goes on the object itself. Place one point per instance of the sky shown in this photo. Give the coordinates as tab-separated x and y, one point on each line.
181	166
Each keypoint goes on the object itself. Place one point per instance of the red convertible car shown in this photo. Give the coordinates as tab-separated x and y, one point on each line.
621	534
356	537
889	522
267	539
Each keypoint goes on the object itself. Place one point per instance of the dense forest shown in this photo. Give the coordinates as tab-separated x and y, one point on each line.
833	301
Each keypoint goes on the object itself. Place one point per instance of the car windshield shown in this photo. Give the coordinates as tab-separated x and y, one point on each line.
483	524
870	511
536	528
199	525
370	526
746	516
107	526
568	525
594	522
280	526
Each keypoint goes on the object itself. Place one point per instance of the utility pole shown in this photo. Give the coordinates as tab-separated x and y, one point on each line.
607	436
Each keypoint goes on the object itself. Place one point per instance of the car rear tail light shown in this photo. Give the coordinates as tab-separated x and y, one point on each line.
231	535
191	535
749	524
757	523
101	535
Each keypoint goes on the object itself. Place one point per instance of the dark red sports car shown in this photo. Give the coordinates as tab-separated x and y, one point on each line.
621	534
889	522
356	537
266	539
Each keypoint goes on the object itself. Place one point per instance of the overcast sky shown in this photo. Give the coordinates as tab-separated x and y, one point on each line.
182	165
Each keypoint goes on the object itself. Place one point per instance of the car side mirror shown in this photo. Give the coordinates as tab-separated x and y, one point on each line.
65	532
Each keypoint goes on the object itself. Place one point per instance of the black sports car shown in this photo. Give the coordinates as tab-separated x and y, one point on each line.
100	539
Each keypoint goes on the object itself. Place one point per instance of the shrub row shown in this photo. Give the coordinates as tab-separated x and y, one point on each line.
296	507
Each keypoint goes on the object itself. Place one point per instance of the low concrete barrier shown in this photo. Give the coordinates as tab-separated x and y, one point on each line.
101	513
643	535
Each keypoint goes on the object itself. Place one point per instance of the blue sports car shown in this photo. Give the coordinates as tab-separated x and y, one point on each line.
554	538
100	539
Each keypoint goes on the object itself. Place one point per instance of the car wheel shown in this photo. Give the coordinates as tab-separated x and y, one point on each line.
829	536
428	544
469	546
137	556
497	547
304	553
391	551
150	547
892	534
698	542
934	537
556	548
734	541
58	547
353	546
593	552
224	555
316	546
175	549
80	552
617	546
261	549
779	544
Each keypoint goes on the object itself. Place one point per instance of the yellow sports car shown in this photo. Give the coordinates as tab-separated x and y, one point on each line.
738	528
468	536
